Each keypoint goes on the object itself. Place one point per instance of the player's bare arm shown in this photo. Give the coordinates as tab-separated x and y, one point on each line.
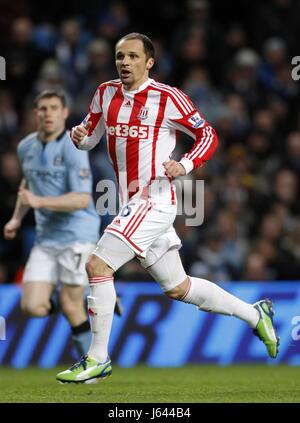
62	203
12	226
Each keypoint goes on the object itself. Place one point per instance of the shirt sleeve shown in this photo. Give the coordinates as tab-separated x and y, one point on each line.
183	116
95	116
79	171
22	149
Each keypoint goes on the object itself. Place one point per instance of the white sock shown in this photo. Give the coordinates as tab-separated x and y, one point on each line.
210	297
101	304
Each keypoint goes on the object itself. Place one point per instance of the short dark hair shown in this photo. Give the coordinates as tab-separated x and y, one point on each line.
148	45
49	94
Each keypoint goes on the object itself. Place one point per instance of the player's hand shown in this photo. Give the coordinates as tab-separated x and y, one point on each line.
11	228
79	132
174	168
29	199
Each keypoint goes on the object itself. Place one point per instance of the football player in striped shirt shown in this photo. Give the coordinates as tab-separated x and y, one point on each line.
141	117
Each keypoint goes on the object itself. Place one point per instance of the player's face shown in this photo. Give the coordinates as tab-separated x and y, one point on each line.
132	63
51	116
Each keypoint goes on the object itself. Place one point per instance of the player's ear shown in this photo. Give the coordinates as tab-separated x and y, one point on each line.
35	114
66	112
150	63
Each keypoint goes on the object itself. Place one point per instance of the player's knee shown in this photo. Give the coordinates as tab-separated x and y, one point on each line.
97	267
175	293
33	309
178	292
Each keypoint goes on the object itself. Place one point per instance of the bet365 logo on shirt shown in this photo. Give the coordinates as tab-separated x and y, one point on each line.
123	130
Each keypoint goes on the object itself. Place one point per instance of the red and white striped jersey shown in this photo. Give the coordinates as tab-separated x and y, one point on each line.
141	130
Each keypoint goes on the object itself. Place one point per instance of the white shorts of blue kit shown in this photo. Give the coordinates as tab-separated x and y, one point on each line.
63	264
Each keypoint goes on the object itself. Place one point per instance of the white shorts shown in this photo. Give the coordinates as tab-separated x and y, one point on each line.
139	224
53	265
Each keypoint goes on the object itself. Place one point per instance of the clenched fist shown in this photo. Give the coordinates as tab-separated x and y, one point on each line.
174	168
79	132
11	228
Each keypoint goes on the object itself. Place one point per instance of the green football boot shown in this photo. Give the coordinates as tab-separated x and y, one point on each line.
87	370
265	328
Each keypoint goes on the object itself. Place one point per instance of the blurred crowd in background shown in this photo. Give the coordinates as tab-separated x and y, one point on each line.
233	59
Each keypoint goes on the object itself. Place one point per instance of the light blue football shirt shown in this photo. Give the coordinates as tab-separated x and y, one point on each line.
56	168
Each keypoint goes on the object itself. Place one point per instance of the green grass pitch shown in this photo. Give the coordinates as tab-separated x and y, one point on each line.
194	384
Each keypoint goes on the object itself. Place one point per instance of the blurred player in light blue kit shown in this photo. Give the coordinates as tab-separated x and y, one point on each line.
57	184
